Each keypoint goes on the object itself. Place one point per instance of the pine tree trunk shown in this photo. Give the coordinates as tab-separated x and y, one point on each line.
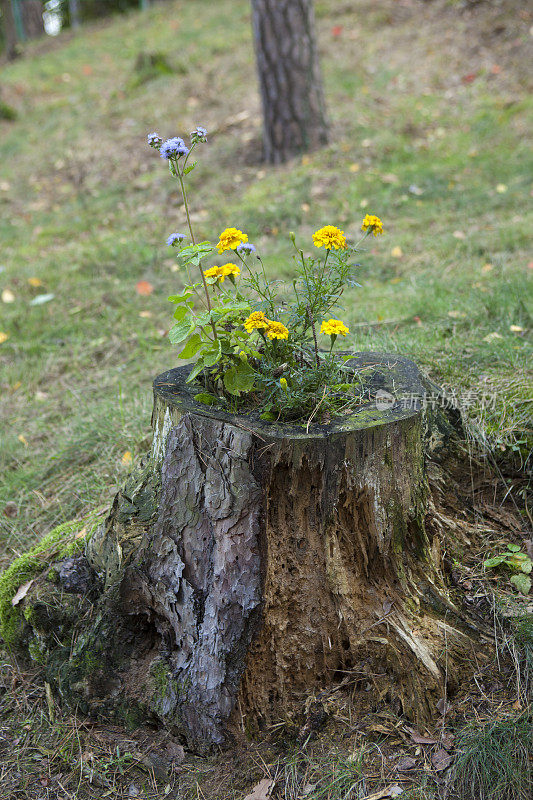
294	117
32	18
10	32
250	564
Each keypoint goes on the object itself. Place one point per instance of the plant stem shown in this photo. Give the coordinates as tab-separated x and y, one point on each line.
187	214
312	323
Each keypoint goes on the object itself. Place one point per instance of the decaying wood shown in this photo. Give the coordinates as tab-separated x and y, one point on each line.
249	564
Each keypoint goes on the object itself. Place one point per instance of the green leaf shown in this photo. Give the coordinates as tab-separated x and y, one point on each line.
267	415
494	562
189	168
206	399
181	312
522	583
513	548
239	378
198	367
192	346
211	357
527	567
179	332
180	298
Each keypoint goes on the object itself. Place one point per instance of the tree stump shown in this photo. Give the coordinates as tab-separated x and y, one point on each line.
251	563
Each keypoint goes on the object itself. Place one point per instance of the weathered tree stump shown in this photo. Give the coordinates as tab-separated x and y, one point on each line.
250	562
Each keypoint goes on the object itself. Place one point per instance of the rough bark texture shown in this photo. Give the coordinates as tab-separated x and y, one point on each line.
249	564
32	18
294	117
10	32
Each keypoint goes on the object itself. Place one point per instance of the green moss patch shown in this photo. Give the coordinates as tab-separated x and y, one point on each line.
63	541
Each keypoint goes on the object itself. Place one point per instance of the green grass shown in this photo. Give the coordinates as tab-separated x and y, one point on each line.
85	207
495	760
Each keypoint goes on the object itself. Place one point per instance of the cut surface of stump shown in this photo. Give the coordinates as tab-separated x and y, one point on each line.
250	564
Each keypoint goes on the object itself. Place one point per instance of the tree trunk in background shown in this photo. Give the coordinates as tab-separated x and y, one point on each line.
74	13
32	18
10	33
294	117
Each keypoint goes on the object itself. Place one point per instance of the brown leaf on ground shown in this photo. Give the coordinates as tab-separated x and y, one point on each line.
405	764
21	593
441	760
417	738
262	790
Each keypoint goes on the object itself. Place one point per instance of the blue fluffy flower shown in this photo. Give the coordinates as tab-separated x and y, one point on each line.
154	140
175	238
246	249
199	134
173	148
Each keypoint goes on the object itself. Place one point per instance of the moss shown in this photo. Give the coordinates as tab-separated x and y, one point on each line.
37	651
61	542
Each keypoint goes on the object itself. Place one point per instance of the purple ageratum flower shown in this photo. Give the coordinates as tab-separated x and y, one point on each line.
154	140
175	238
173	148
199	134
246	249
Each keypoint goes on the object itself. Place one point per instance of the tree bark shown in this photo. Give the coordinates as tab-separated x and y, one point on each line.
10	32
294	117
32	18
249	564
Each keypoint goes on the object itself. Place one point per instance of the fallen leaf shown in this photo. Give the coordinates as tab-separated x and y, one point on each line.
516	329
417	738
8	296
459	235
305	161
87	69
443	707
405	764
337	30
441	760
495	69
21	593
490	337
35	282
41	298
81	534
3	337
487	267
305	207
5	186
11	509
145	314
144	288
501	188
126	458
22	439
391	791
469	77
262	790
354	167
396	252
16	386
517	705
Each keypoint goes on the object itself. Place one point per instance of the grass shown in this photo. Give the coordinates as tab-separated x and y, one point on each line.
429	108
86	208
495	760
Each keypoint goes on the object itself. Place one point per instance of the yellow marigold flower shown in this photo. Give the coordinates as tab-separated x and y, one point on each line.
230	239
229	269
276	330
222	272
255	321
334	327
330	237
212	272
373	223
